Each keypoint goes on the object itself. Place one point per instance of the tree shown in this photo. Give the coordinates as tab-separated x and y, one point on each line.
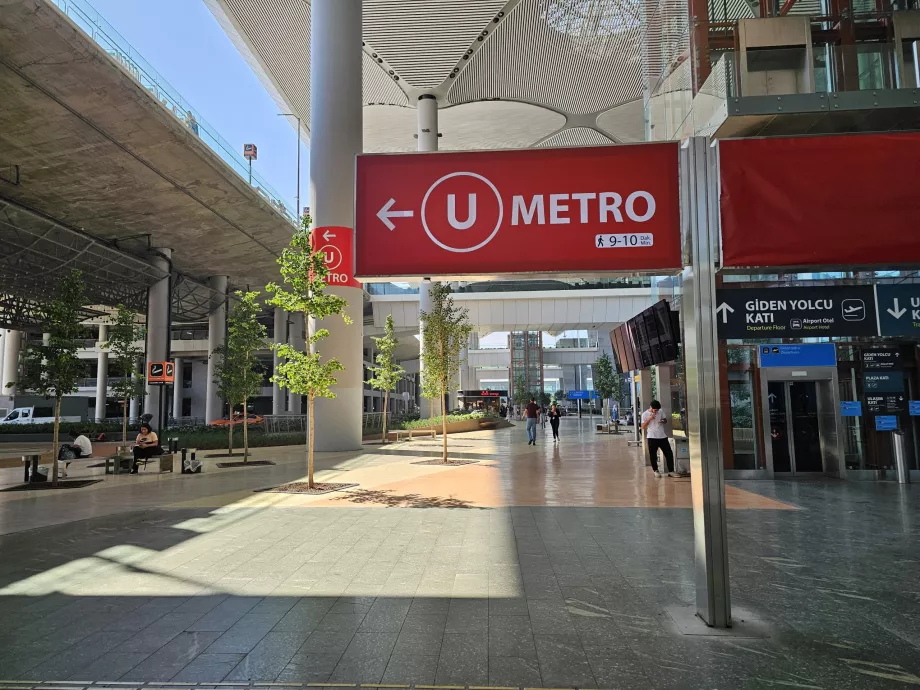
604	380
519	394
446	331
53	368
543	397
124	336
306	373
388	372
237	371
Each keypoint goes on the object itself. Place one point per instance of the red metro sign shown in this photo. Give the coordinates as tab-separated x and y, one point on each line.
611	208
336	245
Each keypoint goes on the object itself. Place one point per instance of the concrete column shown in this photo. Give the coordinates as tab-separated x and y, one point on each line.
278	406
102	374
217	336
337	134
133	405
177	390
427	121
158	323
297	341
11	346
663	375
645	395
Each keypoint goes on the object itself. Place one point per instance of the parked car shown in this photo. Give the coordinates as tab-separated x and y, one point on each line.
238	419
31	415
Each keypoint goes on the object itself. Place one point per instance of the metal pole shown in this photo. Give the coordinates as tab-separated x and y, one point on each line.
299	209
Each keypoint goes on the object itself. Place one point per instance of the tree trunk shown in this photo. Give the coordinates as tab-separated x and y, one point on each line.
124	423
54	443
386	397
310	441
245	432
230	437
444	422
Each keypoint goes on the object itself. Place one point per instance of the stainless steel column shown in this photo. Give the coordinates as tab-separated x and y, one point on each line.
177	389
280	337
159	303
217	336
427	123
102	373
336	138
11	346
699	230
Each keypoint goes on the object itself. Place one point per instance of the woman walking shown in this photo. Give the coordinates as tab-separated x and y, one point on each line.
554	417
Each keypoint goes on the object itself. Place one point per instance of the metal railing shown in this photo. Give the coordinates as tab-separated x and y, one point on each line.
97	28
285	423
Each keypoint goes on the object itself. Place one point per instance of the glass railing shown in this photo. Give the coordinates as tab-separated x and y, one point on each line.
96	27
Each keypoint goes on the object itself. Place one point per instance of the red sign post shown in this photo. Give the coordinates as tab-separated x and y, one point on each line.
337	247
612	208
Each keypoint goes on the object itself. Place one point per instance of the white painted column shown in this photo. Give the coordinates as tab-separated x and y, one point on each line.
12	343
158	306
177	389
217	336
3	339
102	374
278	406
336	137
297	341
427	122
133	405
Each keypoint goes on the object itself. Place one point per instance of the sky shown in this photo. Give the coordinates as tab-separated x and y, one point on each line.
185	44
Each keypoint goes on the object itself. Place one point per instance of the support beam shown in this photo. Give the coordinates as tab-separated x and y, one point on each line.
217	336
281	321
158	326
699	217
177	390
427	407
427	123
337	137
11	346
298	342
102	374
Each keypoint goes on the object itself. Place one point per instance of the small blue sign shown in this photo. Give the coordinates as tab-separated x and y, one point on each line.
807	355
850	408
886	422
883	382
581	395
913	407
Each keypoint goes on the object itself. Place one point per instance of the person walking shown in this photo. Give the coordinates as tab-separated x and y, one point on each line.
654	422
554	417
531	416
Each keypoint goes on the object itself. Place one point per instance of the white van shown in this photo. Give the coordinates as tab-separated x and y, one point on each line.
34	415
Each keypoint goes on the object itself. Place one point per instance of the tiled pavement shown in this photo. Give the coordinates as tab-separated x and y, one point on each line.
537	596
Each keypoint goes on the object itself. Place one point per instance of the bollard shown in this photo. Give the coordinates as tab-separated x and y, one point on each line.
900	457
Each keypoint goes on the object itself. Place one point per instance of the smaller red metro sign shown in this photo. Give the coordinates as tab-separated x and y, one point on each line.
337	247
598	209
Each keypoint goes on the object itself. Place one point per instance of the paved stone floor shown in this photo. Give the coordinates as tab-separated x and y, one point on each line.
532	568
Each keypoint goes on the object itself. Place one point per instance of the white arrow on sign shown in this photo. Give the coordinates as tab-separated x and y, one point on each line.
724	310
896	313
385	214
772	397
327	235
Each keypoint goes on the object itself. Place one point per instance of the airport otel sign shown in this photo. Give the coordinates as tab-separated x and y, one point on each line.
337	247
597	209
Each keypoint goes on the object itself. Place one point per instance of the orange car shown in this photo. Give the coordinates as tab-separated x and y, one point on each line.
238	419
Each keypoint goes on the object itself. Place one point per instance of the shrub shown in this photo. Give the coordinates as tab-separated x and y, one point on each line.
431	422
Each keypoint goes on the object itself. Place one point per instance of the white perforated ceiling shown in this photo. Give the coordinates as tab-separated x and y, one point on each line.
506	73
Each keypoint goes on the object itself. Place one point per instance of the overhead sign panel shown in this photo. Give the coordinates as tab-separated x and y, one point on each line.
899	309
611	208
796	312
791	201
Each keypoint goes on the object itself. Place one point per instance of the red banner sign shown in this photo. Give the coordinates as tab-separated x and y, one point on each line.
849	200
611	208
337	247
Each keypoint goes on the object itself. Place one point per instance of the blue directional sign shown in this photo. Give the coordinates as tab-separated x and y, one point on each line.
883	382
913	406
850	408
899	309
581	395
885	422
807	355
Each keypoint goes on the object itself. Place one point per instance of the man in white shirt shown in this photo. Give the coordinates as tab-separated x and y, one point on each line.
654	421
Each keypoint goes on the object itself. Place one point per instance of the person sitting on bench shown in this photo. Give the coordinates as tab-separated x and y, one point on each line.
148	446
79	447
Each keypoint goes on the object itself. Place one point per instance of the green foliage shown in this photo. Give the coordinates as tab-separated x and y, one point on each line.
432	422
604	376
125	353
53	369
543	398
388	372
446	332
306	373
237	372
520	395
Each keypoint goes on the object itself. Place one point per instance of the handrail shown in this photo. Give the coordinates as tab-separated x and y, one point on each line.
104	35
